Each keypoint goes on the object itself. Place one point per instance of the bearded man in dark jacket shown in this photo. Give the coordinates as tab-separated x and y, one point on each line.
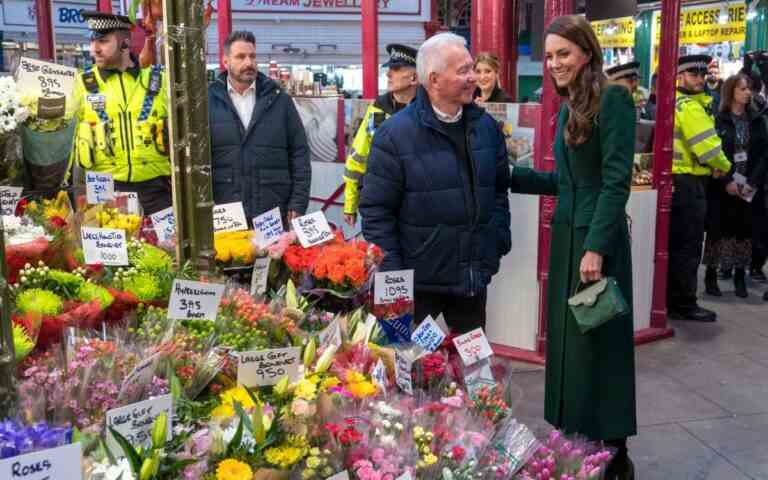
435	197
259	149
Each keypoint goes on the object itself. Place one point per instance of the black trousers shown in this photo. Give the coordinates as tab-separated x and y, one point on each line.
462	314
686	236
154	195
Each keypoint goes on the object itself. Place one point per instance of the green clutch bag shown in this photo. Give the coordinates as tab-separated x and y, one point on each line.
597	304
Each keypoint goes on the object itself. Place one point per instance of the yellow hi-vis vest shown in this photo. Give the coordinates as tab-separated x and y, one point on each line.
122	123
354	167
697	148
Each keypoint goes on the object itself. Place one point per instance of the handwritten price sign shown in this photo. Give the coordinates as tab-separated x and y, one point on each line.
267	367
134	422
99	187
194	300
473	346
388	287
260	276
165	224
428	335
268	227
312	229
229	217
9	197
52	464
105	246
44	79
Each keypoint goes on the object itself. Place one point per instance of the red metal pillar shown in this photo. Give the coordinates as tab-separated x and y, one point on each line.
494	29
370	21
43	15
433	26
104	6
545	160
224	25
662	162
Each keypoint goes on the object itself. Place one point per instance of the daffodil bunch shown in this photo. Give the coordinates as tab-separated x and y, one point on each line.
234	248
423	440
114	218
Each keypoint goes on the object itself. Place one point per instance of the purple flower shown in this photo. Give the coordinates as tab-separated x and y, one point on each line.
17	439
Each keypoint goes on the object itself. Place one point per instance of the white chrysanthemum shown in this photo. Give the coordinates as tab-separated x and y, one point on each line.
107	471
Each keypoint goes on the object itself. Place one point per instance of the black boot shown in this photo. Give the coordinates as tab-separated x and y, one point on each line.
710	283
620	466
740	283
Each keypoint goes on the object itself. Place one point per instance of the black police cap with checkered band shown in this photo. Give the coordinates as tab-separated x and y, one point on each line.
100	23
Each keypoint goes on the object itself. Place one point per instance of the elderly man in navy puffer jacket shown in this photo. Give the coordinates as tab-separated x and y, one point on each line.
435	197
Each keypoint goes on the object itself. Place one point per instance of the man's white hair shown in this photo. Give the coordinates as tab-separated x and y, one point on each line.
431	56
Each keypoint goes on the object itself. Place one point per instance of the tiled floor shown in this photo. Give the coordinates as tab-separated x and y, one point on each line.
702	396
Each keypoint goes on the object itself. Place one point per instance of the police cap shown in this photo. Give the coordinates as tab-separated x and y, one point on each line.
400	56
693	63
101	24
617	72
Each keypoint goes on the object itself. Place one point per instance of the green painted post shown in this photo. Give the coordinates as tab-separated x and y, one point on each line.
643	45
757	30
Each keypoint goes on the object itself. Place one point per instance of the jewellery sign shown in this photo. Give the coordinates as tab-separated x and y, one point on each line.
413	9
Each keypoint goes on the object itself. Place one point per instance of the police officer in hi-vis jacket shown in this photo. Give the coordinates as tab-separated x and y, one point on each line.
698	156
122	115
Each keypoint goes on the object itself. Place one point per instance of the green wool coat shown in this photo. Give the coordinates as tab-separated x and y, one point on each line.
590	378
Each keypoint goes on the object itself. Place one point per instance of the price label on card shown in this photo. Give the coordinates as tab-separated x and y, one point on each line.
268	227
473	346
403	376
105	246
9	197
165	224
339	476
229	217
267	367
61	463
260	275
428	335
312	229
132	205
134	422
99	187
331	335
44	79
194	300
140	377
379	375
389	287
405	476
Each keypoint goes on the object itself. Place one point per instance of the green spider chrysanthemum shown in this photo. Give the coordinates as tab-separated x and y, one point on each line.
144	286
37	300
22	342
64	283
91	291
149	258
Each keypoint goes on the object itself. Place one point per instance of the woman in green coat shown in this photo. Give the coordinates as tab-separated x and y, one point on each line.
590	378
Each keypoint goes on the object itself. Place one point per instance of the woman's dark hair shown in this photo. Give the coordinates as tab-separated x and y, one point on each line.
238	36
726	91
583	97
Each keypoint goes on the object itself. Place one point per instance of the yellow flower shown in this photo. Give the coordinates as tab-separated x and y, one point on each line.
313	462
305	389
223	411
362	389
284	456
430	459
329	382
231	469
228	399
354	377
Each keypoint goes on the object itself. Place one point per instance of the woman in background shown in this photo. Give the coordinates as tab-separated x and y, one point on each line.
487	67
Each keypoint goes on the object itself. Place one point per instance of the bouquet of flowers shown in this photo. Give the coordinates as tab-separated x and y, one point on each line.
12	113
563	458
17	438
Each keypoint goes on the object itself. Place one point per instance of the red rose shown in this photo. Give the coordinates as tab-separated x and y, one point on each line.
21	206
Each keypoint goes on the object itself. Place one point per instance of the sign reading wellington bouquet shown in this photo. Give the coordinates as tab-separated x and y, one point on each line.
99	187
106	246
266	367
9	197
52	464
268	227
194	300
134	422
44	79
312	229
229	217
389	287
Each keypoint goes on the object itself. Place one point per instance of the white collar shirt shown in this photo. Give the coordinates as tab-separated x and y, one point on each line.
244	103
446	118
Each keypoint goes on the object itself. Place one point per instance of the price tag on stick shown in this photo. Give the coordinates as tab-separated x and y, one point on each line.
428	335
105	246
165	224
403	376
473	346
260	275
389	287
194	300
9	197
53	464
267	367
312	229
229	217
268	227
99	187
134	422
